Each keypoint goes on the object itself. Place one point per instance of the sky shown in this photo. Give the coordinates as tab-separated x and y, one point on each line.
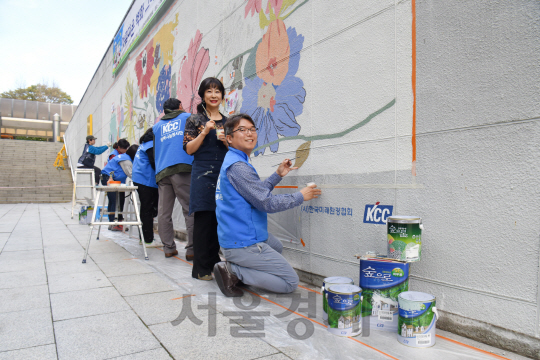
60	41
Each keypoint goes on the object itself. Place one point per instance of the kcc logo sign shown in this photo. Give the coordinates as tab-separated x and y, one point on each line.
377	214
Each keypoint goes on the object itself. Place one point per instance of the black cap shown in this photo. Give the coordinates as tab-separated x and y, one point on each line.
90	137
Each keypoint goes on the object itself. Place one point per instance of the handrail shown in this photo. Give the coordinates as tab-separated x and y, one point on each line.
69	159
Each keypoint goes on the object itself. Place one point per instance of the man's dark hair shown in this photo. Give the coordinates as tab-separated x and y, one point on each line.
231	122
123	143
171	104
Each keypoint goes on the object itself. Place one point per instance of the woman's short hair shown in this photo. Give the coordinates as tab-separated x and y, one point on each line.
132	151
123	143
208	83
234	120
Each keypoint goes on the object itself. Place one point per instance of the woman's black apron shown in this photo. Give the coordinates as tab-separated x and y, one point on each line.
207	162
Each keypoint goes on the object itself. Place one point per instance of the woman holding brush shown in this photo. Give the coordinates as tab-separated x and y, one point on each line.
204	138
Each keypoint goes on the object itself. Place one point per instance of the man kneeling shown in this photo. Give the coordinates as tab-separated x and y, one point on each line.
243	200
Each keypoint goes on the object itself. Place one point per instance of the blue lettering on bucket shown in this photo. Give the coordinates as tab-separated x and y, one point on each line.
377	214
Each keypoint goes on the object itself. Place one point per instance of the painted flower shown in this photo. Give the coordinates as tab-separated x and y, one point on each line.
163	87
273	98
144	68
191	72
272	61
276	5
254	6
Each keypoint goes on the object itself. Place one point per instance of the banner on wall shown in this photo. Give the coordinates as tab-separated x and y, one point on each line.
139	16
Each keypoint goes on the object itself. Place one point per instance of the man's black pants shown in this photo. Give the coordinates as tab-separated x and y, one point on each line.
148	196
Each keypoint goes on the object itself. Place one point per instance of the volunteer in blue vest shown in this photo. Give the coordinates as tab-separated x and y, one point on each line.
243	200
119	147
88	157
144	177
173	174
205	140
121	168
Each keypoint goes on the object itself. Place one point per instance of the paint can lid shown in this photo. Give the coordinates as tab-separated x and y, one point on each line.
345	289
337	280
416	296
404	219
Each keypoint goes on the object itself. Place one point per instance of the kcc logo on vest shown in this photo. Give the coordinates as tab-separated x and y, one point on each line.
377	214
171	126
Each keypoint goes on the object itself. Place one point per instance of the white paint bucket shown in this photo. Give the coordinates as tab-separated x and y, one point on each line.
417	318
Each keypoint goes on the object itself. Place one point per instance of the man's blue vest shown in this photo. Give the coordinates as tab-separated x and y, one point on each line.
113	165
169	142
142	170
239	223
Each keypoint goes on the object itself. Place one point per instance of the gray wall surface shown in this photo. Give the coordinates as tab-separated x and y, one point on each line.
475	180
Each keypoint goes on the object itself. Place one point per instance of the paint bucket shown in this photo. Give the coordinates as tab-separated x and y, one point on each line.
417	317
382	280
405	238
344	310
334	280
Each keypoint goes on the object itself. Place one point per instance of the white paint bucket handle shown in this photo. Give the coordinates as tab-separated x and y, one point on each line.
436	313
421	226
322	289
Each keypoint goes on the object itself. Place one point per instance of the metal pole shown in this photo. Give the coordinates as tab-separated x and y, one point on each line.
56	127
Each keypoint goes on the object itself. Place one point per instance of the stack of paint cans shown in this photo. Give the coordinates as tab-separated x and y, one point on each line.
342	306
417	313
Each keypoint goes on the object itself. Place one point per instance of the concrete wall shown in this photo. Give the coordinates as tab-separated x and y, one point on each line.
337	78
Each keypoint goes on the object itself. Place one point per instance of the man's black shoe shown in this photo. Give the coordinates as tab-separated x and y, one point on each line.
226	281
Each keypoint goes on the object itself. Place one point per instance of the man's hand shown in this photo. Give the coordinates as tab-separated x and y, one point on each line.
310	192
285	167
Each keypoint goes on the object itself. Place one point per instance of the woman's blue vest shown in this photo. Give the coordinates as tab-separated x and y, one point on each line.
114	152
113	165
142	170
169	142
239	223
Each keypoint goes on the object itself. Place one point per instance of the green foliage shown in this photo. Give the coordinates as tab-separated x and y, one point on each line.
422	320
39	92
398	245
394	291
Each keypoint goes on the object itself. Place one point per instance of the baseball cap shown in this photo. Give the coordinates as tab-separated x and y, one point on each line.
90	137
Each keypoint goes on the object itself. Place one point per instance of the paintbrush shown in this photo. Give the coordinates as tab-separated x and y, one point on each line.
280	163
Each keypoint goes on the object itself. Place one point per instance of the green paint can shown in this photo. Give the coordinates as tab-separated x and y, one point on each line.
334	280
404	238
344	310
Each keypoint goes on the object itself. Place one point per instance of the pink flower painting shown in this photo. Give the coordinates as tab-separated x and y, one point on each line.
192	69
254	6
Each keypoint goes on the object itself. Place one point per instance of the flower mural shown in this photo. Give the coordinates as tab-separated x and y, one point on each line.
192	70
254	6
144	68
273	53
274	97
163	87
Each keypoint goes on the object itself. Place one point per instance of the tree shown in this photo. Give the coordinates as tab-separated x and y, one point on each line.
39	92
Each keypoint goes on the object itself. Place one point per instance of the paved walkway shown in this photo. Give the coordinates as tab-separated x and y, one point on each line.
120	306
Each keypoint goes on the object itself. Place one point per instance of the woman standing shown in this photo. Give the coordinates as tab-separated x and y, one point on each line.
144	177
205	140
